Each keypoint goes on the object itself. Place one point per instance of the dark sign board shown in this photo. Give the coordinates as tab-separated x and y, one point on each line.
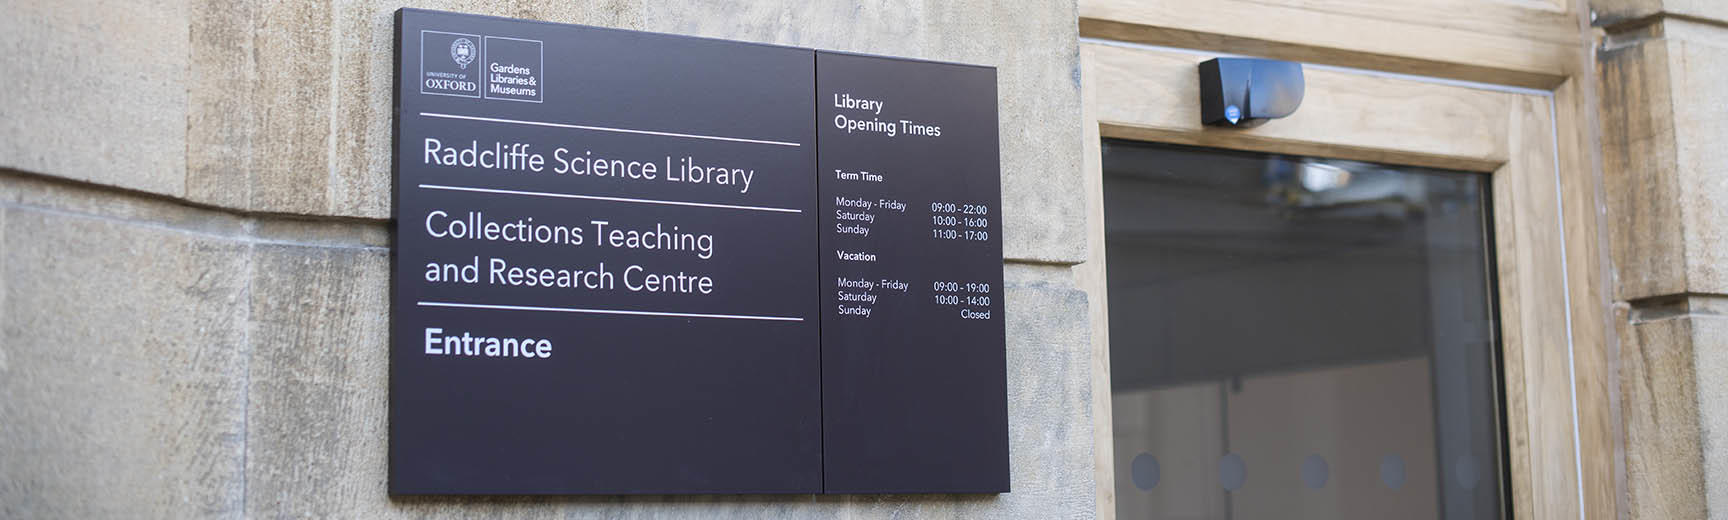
631	263
913	367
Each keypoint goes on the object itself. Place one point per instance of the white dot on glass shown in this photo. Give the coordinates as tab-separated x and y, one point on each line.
1145	471
1232	472
1464	472
1315	472
1392	471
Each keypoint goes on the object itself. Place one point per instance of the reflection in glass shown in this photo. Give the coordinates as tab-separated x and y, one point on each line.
1317	334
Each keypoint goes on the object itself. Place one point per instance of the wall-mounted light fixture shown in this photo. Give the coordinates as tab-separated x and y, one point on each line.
1245	92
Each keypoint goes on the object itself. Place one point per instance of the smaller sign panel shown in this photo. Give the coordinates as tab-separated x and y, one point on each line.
913	367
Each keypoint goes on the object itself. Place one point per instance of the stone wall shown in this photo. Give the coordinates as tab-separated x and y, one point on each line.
1662	67
194	248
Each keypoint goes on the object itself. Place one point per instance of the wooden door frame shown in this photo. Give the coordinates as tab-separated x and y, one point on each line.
1552	309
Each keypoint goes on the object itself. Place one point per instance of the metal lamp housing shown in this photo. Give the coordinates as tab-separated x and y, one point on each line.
1246	92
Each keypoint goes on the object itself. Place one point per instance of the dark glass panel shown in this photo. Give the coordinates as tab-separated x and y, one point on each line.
1295	337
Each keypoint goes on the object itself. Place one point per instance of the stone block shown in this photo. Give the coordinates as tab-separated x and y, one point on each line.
259	111
1714	10
1710	367
1615	11
1697	71
1049	395
1639	172
318	386
1674	402
1662	166
97	91
124	357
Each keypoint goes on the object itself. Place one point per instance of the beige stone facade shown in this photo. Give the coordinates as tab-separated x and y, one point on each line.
196	248
1663	64
195	203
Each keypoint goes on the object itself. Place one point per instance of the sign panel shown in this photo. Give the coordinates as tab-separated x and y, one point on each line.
615	271
605	263
913	369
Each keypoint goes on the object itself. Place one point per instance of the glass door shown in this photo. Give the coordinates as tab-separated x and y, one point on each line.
1295	337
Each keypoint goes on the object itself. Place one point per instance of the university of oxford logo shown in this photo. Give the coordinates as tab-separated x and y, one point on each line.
462	51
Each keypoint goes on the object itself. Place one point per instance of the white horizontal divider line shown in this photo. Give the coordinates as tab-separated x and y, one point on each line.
613	199
609	311
608	129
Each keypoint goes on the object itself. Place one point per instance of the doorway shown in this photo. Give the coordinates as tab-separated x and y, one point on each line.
1299	337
